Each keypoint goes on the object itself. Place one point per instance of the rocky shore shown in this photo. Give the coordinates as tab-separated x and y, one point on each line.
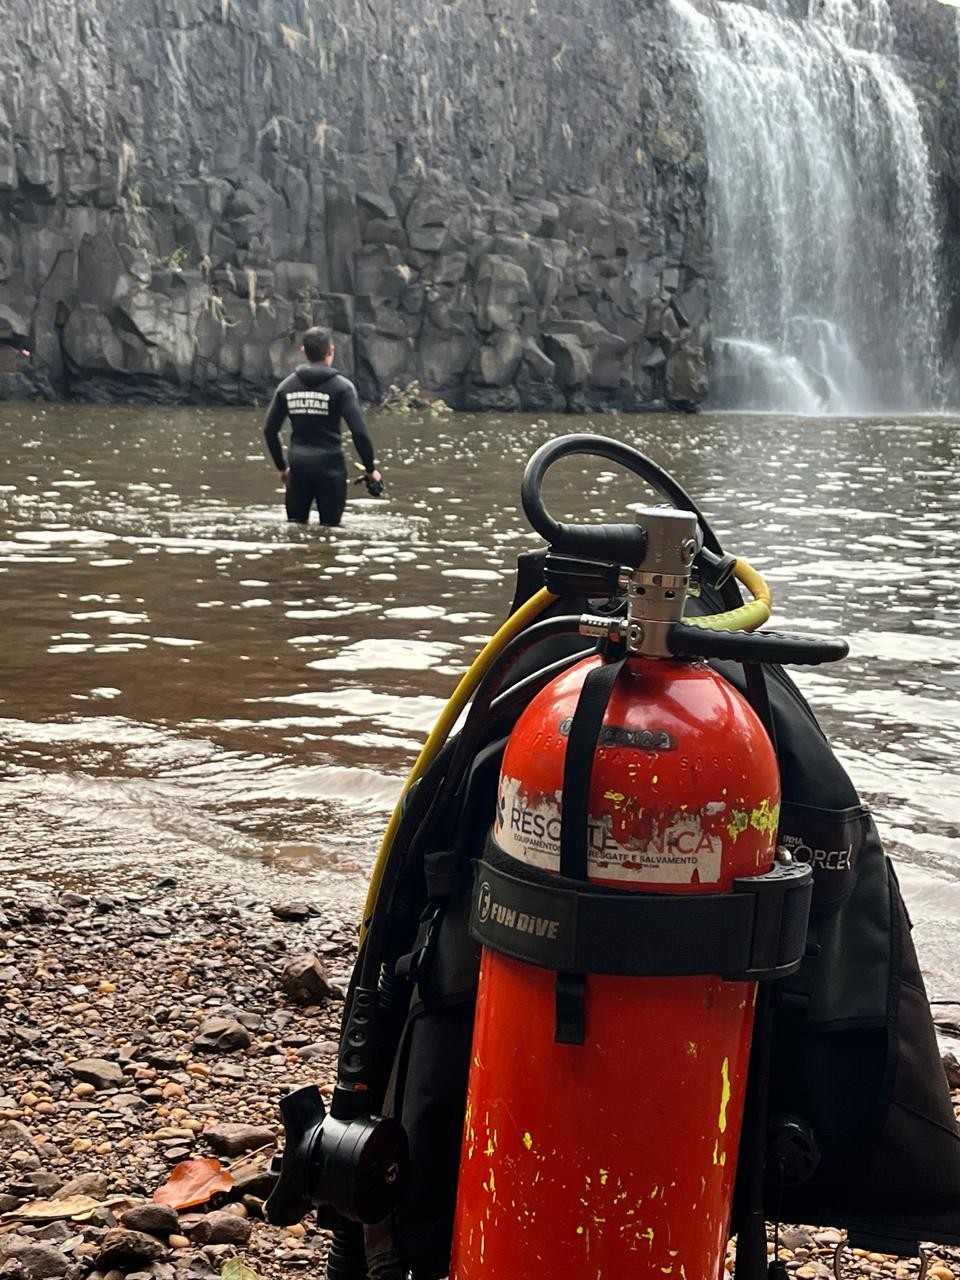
140	1031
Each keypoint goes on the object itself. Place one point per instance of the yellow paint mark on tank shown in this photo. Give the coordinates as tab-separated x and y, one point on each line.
655	779
654	1193
739	821
604	1175
579	1231
691	1048
667	1271
490	1148
527	1141
617	797
765	818
724	1095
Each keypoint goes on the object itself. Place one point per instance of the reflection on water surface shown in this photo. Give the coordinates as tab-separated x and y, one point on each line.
189	683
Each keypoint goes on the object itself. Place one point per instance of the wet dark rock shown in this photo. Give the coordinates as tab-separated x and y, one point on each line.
98	1072
293	910
35	1185
128	1102
233	1139
222	1227
305	980
317	1049
155	1219
951	1066
55	1232
228	1071
38	1261
126	1250
222	1035
85	1184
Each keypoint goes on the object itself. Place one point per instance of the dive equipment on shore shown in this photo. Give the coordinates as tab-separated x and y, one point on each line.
683	903
612	1032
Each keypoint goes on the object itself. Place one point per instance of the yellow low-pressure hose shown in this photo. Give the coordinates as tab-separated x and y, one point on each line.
749	616
464	691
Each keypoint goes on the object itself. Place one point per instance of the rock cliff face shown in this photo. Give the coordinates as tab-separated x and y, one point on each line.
503	199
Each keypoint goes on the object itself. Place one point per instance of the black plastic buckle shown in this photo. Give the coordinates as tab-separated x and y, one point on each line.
416	962
781	913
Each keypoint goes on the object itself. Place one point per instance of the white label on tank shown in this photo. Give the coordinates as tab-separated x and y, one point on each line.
528	828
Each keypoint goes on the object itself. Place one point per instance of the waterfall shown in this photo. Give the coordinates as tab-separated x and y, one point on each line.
824	229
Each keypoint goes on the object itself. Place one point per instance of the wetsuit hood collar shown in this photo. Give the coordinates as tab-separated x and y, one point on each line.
315	375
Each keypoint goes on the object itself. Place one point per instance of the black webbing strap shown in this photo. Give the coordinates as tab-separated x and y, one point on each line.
755	932
575	828
578	765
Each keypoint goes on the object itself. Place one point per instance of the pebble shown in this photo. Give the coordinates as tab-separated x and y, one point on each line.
234	1139
305	980
221	1227
155	1219
98	1072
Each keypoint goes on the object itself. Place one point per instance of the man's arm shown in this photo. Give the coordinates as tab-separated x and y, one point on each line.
271	428
358	430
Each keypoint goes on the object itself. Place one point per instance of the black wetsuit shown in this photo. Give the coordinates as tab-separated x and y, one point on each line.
315	398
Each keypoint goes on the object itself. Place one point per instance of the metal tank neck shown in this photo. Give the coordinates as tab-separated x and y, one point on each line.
657	588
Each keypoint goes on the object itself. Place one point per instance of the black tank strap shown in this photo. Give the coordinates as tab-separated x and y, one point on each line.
570	1026
578	766
754	933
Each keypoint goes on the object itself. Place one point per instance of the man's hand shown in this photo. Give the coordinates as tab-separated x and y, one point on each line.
374	482
285	477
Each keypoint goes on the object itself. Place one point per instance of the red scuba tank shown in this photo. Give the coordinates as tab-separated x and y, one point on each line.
615	1159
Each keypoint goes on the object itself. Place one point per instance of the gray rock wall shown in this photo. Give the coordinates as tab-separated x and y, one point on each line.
503	199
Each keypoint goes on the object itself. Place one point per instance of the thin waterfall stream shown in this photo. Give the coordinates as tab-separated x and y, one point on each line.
824	224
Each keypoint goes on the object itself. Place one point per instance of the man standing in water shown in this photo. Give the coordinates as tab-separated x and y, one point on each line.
315	398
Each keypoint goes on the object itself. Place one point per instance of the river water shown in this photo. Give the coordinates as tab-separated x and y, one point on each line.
191	688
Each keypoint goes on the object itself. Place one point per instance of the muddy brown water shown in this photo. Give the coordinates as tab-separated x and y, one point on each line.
189	687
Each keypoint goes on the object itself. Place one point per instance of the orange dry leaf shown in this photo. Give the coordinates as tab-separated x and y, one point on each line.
193	1182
